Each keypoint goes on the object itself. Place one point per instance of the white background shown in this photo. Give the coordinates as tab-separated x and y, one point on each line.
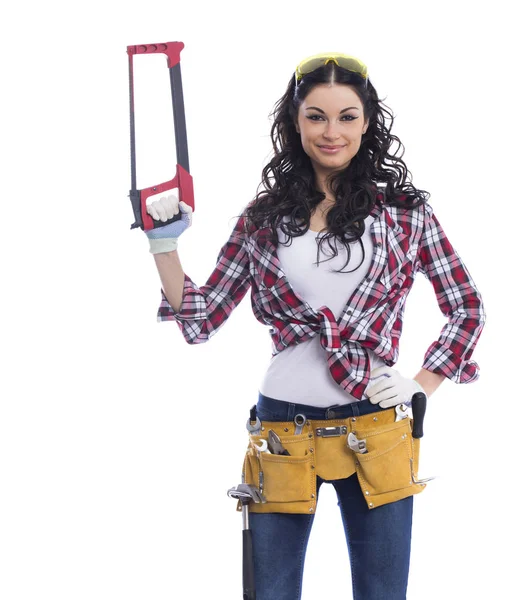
118	440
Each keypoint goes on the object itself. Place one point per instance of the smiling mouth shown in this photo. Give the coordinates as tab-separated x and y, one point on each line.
330	150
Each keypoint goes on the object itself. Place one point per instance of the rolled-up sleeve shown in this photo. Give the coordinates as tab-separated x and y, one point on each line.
205	309
459	300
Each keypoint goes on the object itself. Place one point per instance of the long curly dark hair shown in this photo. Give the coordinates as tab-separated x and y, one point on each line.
289	180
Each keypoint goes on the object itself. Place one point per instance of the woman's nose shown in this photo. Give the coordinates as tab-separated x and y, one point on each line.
331	130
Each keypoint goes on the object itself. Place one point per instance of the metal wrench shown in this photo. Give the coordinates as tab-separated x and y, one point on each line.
300	421
262	446
401	412
355	444
254	429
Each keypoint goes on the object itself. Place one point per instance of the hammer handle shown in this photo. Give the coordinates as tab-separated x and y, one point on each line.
248	582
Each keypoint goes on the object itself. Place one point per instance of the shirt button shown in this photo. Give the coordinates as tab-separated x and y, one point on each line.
378	244
349	312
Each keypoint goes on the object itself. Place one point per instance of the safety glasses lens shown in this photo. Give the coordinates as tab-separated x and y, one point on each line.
346	62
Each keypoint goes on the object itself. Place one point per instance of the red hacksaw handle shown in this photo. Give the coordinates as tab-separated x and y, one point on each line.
183	181
171	49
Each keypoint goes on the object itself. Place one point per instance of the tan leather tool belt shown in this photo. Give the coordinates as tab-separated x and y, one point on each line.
387	469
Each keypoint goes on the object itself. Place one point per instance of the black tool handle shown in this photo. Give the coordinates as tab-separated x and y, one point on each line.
419	406
248	582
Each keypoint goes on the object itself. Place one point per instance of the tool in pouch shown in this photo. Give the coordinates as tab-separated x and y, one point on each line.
182	180
419	404
357	445
274	444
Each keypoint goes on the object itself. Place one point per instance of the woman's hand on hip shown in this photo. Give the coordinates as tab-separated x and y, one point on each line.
392	388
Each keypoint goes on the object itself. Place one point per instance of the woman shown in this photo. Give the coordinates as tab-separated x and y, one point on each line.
335	332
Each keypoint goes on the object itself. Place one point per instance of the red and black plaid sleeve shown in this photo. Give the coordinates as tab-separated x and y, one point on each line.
458	299
205	309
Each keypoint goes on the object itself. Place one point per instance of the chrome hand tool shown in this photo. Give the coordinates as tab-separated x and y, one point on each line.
300	421
274	444
256	427
355	444
401	412
246	494
262	446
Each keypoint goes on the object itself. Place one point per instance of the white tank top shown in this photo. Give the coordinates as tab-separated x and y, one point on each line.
300	373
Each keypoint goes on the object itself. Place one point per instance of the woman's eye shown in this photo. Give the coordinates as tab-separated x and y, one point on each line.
345	117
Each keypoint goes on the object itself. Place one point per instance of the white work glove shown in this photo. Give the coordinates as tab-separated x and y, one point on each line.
164	239
392	389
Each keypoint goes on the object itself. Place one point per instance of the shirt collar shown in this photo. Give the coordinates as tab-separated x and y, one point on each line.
378	205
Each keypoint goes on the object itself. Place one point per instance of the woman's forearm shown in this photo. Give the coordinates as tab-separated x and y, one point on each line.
172	277
429	381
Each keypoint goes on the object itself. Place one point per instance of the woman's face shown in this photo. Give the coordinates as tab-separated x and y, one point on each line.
331	115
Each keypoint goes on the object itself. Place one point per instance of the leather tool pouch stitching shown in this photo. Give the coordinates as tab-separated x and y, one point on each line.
281	478
386	467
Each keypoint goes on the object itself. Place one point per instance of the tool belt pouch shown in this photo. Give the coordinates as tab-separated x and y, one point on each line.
287	482
388	470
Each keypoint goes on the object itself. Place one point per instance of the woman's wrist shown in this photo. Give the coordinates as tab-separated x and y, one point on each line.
429	381
159	245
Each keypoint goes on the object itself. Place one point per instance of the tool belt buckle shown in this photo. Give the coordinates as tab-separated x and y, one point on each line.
326	432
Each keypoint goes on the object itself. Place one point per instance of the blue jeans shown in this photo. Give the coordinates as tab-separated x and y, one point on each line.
378	540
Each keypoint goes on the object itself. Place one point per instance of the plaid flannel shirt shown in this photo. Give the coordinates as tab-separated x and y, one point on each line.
405	241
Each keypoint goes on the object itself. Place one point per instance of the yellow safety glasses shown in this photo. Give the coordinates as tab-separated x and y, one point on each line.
350	63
